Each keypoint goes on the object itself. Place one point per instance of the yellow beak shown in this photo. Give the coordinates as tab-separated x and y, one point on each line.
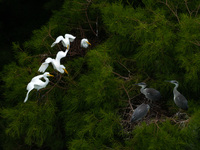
88	43
68	47
51	75
65	71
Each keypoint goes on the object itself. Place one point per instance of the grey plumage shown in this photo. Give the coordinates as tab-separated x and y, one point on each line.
140	112
179	99
150	93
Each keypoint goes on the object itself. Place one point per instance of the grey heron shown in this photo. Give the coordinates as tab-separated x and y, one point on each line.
140	112
150	93
179	99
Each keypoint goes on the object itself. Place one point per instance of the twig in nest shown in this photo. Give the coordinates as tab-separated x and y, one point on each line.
156	124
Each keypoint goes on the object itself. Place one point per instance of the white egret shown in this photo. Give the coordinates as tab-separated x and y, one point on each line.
37	83
65	41
85	43
55	63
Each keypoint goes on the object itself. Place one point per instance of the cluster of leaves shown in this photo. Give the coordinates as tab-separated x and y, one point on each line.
148	40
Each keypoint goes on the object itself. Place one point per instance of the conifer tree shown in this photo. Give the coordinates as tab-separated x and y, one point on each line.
91	108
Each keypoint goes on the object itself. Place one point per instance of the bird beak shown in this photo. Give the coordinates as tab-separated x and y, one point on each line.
65	71
51	75
68	47
88	43
167	81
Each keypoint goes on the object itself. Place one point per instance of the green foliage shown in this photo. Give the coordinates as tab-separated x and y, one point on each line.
165	136
147	36
142	41
31	122
92	102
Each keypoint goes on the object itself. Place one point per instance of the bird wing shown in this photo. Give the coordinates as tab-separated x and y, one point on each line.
70	37
152	94
45	64
30	86
181	102
140	112
36	78
58	39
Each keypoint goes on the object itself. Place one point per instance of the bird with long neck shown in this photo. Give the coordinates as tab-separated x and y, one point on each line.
179	99
55	62
150	93
37	83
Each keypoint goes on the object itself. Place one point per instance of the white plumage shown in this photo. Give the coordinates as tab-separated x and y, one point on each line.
65	41
85	43
55	63
37	83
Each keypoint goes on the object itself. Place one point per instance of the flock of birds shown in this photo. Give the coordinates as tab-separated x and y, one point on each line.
154	95
139	113
36	82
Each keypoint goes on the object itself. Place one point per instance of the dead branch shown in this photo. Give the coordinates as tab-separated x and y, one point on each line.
88	18
126	78
173	11
124	66
129	100
197	11
186	4
53	85
195	43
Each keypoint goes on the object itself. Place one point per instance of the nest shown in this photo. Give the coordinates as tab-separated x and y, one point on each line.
158	112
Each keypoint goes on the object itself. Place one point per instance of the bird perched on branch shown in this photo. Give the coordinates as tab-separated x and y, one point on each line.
179	99
85	43
37	83
150	93
140	112
55	63
65	41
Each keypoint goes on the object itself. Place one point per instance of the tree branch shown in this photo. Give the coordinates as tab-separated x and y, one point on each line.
126	78
197	11
175	13
195	43
129	99
188	8
89	1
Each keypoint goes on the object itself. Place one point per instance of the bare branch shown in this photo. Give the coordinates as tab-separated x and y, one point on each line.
173	11
129	99
54	85
195	43
126	78
124	66
89	1
188	8
197	11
